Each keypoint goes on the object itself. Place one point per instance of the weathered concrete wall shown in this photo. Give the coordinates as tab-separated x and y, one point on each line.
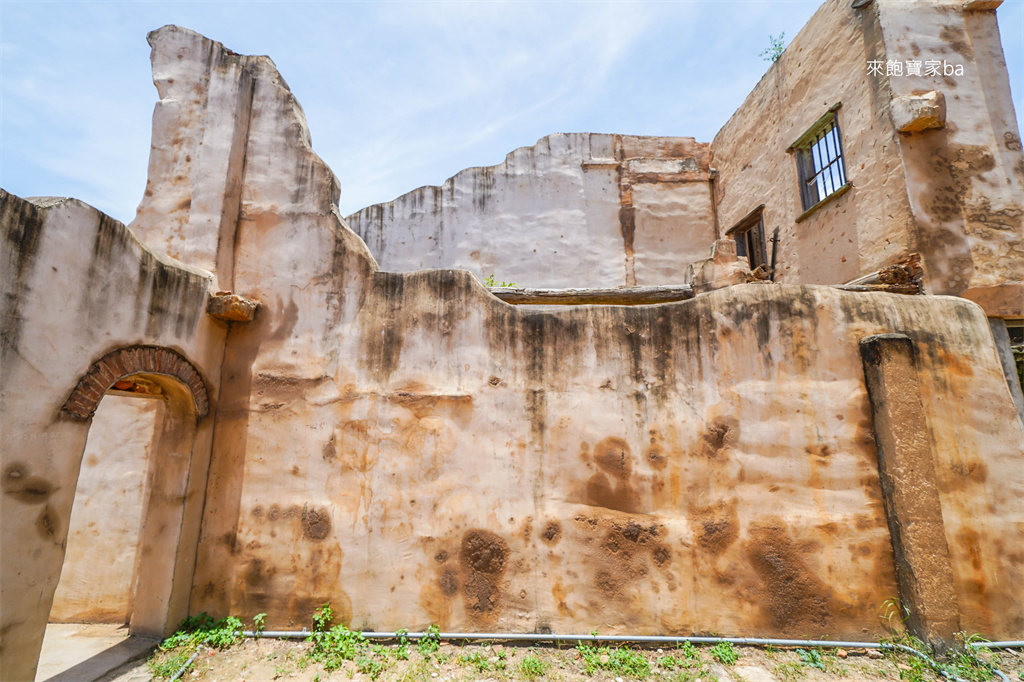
76	285
871	225
97	580
413	450
574	210
965	180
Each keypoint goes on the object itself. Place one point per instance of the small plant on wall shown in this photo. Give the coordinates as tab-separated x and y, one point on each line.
774	49
491	282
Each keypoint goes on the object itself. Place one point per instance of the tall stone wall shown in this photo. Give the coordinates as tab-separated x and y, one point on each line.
412	450
574	210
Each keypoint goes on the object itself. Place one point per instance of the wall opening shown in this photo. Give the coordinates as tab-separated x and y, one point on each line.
99	576
129	550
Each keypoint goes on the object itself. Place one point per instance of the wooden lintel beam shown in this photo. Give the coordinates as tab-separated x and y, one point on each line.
641	295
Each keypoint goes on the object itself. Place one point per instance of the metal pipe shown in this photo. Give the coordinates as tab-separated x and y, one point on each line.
182	669
1015	644
535	637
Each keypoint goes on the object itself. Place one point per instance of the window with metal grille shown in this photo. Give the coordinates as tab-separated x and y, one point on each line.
819	161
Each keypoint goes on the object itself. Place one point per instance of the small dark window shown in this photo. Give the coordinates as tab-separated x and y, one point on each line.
749	236
819	161
1015	328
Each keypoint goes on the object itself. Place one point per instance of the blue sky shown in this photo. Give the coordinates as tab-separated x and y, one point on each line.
397	94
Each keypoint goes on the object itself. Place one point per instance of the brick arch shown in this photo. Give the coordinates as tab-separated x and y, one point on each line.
124	362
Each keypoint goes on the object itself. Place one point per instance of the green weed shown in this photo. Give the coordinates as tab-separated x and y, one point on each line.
790	671
811	658
491	282
259	623
332	646
204	630
725	653
774	49
165	666
430	642
689	651
618	661
476	660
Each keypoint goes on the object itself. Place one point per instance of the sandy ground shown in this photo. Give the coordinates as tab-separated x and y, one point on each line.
265	660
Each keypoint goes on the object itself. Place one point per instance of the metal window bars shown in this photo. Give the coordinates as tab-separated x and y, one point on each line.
822	170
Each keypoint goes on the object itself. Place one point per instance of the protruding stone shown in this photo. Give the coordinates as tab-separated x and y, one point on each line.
981	5
230	307
914	113
724	269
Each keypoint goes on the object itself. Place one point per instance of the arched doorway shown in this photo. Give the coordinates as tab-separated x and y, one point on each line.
154	399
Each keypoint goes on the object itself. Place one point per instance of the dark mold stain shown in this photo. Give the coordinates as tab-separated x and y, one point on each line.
717	436
330	449
483	556
48	524
316	523
230	540
24	488
552	532
955	37
614	456
449	583
719	526
22	224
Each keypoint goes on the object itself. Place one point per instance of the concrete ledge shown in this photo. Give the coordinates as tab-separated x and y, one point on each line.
1004	300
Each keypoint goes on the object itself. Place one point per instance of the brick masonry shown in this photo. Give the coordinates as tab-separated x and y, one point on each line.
124	362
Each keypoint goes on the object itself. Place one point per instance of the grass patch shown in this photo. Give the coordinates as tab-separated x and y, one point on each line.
194	631
532	667
618	661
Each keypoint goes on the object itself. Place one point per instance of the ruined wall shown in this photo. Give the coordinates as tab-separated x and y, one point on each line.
413	450
574	210
966	179
97	579
77	285
870	226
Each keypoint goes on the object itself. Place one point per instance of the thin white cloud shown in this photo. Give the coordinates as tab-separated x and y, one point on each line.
397	94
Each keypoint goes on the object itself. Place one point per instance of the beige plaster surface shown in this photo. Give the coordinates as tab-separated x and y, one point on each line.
97	580
412	450
557	214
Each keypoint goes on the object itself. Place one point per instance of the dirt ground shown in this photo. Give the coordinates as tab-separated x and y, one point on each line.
267	659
